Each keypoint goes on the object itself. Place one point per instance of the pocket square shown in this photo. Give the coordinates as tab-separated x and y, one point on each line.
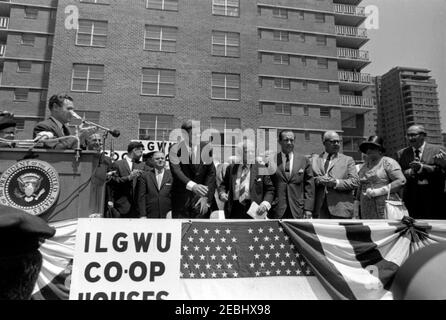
259	179
300	171
168	184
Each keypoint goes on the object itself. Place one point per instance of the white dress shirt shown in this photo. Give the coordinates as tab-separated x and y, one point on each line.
291	161
159	177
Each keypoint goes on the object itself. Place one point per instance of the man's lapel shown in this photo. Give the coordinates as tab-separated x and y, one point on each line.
57	128
333	162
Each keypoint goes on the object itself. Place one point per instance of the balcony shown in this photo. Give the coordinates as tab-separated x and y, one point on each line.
4	22
352	58
349	15
357	103
354	81
347	36
2	50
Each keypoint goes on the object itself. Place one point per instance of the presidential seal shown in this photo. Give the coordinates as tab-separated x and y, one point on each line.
30	185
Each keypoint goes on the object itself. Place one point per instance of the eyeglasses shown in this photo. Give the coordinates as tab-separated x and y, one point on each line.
409	135
333	141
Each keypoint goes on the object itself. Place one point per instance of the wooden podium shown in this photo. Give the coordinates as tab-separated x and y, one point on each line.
82	182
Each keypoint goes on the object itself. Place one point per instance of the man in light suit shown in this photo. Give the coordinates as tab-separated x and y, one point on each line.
243	184
193	173
293	182
153	189
425	184
123	181
336	178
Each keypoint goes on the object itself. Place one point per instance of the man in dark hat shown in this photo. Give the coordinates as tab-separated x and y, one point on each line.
20	259
7	128
424	189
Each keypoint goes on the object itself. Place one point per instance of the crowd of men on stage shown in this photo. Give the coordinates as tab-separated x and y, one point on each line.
287	185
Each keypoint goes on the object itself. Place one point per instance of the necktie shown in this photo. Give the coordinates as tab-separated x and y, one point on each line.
65	130
417	154
287	165
327	163
243	192
159	179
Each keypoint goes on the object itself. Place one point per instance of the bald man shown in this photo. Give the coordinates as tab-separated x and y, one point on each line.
335	177
424	189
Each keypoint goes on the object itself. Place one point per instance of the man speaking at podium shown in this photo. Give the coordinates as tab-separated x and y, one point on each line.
61	108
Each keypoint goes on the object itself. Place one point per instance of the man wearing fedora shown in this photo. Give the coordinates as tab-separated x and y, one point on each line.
424	189
7	129
335	178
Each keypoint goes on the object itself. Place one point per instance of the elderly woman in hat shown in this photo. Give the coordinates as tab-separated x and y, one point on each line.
377	175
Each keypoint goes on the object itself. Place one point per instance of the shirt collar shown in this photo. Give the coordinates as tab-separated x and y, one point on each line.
420	148
284	155
334	155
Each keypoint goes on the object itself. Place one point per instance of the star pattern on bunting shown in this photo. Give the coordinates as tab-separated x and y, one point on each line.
237	250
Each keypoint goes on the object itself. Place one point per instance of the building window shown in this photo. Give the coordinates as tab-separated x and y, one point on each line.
155	126
307	136
225	86
28	39
325	112
96	1
304	61
281	59
304	84
301	15
43	95
160	38
158	82
280	83
321	40
280	13
225	44
281	35
322	63
223	125
229	8
20	124
301	37
92	33
319	17
348	120
87	78
21	94
24	66
324	87
49	41
283	108
31	13
306	111
167	5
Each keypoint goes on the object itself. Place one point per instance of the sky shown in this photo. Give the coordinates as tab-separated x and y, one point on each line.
411	33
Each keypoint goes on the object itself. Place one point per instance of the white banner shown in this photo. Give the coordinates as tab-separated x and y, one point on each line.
126	259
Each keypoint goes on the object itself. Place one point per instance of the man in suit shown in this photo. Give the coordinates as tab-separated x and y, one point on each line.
335	178
123	181
425	184
153	189
193	173
7	129
243	184
61	107
293	182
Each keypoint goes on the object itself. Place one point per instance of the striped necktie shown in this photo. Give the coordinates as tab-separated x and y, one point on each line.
243	192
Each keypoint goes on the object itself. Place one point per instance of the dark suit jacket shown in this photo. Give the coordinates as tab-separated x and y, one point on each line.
339	200
297	192
51	126
123	188
433	192
151	201
260	186
183	171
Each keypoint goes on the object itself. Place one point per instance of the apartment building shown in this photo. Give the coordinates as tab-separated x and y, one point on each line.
145	66
408	96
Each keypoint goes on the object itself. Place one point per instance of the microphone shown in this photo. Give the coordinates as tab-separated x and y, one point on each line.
115	133
75	115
